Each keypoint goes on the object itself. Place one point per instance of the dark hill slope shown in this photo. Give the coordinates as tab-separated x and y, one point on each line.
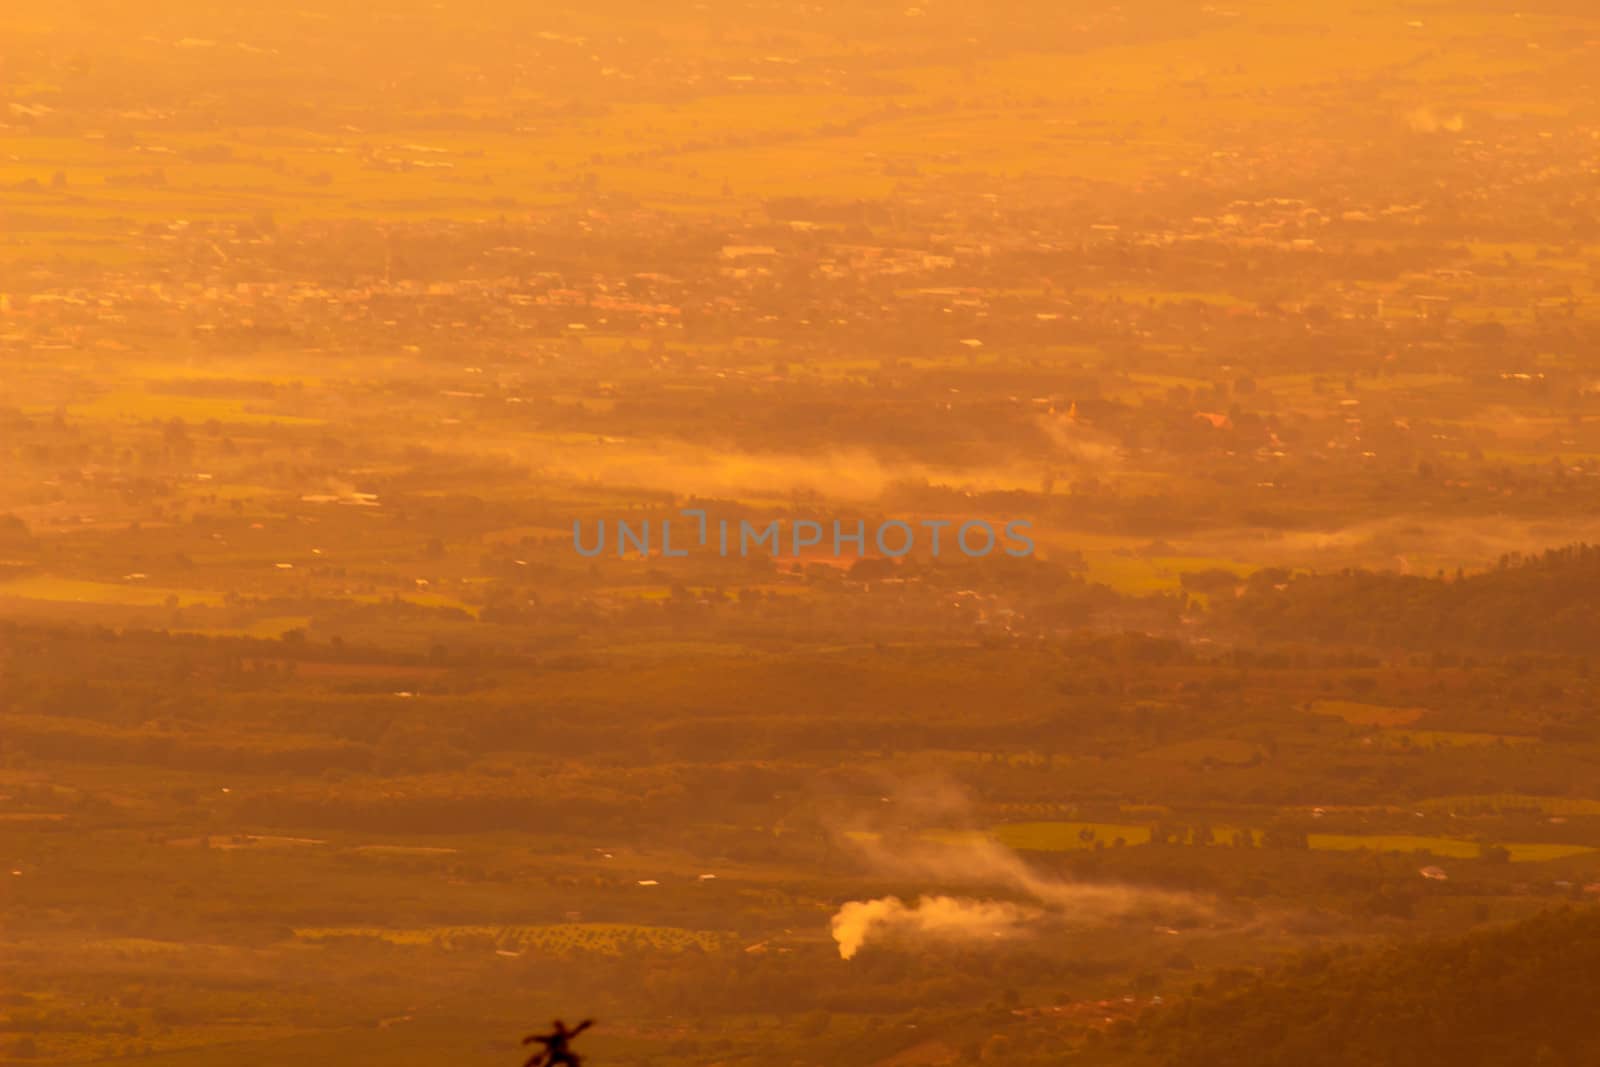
1519	996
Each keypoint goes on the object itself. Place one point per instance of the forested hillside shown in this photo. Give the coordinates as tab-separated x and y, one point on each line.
1544	603
1506	997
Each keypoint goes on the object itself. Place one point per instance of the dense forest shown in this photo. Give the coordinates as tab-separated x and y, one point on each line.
1545	603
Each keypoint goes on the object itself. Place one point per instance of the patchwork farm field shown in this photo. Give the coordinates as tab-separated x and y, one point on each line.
331	337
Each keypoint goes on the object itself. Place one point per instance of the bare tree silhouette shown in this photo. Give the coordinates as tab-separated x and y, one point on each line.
556	1050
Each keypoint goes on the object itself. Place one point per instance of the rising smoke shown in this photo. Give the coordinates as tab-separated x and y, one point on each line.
950	918
977	861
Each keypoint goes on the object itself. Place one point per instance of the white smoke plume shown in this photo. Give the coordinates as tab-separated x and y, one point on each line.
948	918
978	860
1425	120
986	862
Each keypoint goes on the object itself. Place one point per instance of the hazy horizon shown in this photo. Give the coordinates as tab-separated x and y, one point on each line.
804	533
